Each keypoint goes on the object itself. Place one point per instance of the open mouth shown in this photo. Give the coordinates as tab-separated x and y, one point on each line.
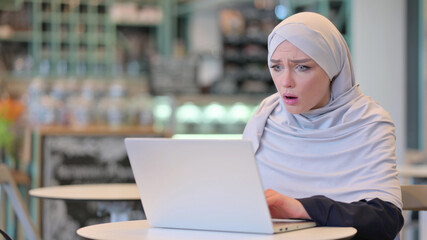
290	99
289	96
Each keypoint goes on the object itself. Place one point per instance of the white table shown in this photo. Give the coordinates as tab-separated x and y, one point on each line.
413	171
106	193
410	172
138	230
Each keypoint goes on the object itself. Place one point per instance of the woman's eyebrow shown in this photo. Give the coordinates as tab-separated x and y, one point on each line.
300	60
275	61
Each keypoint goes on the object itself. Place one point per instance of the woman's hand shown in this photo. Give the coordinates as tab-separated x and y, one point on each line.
282	206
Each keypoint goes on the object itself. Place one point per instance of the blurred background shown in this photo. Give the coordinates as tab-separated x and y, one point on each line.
77	76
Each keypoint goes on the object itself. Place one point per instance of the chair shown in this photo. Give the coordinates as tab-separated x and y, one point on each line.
9	185
414	197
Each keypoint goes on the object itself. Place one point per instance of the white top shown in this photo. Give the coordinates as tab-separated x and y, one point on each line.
98	192
138	230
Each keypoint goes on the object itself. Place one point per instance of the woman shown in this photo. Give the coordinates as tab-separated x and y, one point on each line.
325	151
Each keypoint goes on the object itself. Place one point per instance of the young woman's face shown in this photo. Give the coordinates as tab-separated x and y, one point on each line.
301	82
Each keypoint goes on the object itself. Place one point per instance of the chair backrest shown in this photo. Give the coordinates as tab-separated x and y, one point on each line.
12	192
414	197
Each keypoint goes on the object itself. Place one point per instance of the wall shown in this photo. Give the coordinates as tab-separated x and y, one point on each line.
378	49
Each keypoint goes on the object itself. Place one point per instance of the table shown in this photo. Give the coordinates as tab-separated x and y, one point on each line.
140	229
411	171
106	193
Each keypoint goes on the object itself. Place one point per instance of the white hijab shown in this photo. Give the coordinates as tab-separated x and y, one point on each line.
344	150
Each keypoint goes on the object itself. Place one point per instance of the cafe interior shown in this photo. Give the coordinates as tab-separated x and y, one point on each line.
77	77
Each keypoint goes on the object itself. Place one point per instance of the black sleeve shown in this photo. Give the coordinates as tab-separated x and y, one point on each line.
374	219
4	234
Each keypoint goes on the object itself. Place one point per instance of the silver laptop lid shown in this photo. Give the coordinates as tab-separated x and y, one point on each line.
199	184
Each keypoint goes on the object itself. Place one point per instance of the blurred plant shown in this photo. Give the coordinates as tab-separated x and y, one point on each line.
10	112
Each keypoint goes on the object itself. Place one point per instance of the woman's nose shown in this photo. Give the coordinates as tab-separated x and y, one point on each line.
288	80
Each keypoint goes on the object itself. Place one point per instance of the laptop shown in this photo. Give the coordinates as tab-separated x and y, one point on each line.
203	185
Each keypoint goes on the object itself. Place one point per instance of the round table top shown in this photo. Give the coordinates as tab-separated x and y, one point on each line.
87	192
138	230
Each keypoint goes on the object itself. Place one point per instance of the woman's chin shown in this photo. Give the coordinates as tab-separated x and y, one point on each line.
294	109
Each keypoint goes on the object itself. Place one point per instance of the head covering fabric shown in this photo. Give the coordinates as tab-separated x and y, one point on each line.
329	50
344	150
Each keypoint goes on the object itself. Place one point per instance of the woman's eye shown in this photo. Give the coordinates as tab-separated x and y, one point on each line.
276	68
302	68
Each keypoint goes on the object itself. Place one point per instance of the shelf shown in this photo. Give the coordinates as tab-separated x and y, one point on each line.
201	99
131	24
24	77
74	32
241	40
17	37
96	130
66	2
60	29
